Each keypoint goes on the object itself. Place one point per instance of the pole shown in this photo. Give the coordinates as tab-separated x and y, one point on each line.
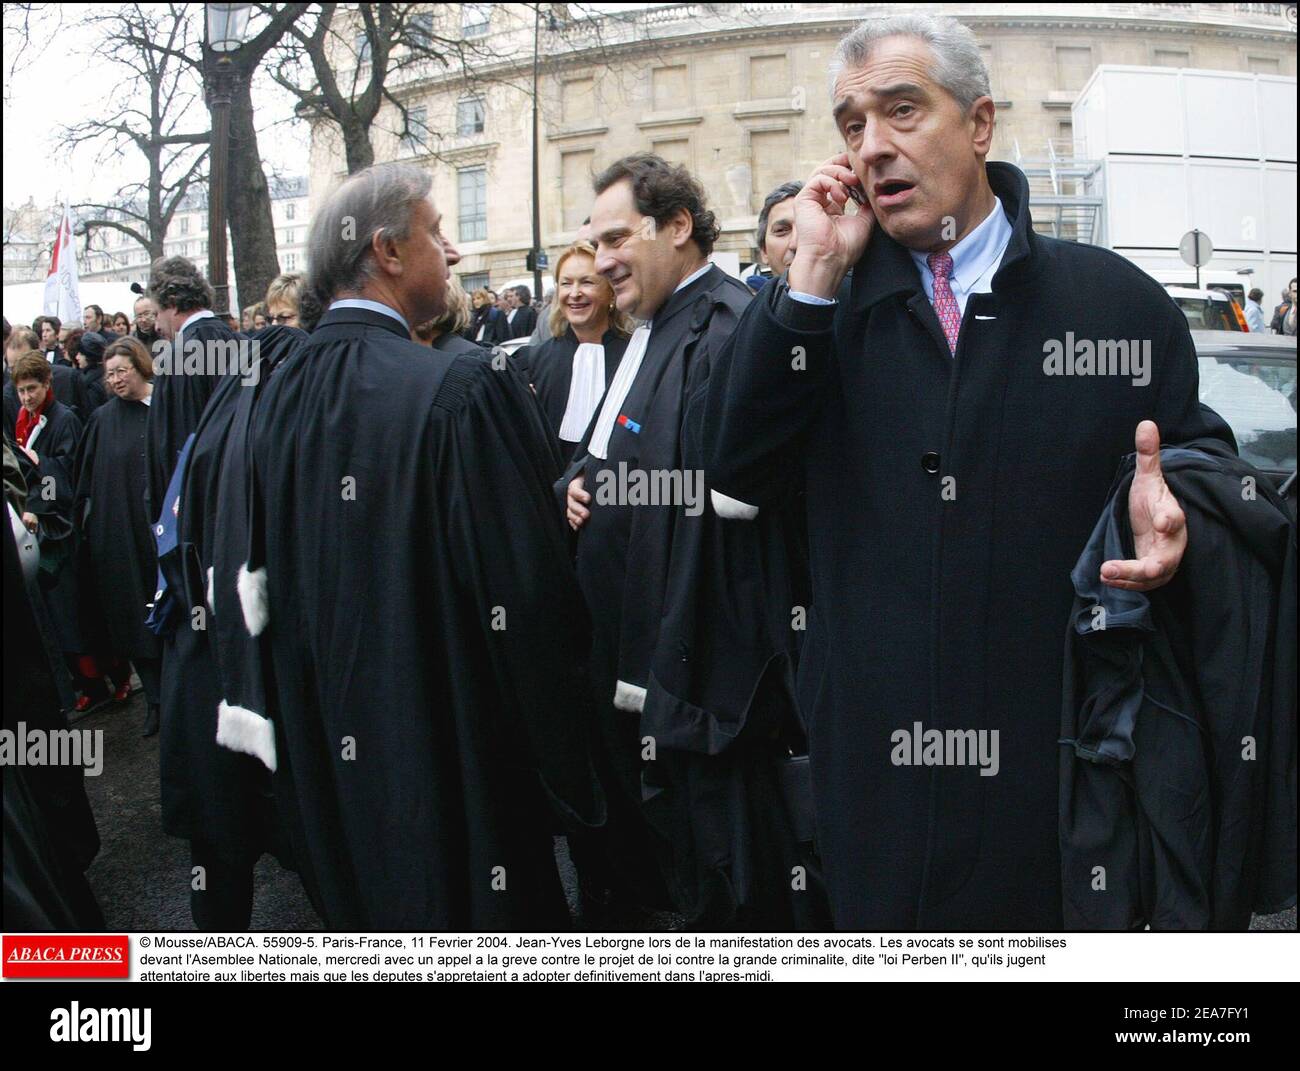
1196	254
537	211
219	75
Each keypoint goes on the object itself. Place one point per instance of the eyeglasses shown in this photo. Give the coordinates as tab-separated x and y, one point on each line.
118	373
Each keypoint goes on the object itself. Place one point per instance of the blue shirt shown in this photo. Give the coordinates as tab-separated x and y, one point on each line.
373	306
1255	316
975	260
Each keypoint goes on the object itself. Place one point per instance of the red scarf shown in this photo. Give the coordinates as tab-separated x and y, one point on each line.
27	421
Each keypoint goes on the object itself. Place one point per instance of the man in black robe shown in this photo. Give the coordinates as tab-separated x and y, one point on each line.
690	593
408	578
187	371
954	471
217	799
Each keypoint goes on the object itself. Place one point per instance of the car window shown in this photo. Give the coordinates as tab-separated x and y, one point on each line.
1207	315
1258	400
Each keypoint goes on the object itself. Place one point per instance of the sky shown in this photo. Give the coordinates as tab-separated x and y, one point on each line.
67	83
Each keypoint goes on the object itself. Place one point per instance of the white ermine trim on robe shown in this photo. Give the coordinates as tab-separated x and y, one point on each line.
253	598
212	605
585	388
598	445
246	731
629	697
731	509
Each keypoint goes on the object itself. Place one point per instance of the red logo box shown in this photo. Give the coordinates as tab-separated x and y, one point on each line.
64	956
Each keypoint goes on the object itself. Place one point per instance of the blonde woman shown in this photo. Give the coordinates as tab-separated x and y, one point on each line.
444	333
571	370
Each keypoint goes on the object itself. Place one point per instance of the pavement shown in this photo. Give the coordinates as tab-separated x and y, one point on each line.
141	876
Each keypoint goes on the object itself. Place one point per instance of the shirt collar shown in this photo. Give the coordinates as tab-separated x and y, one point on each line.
692	277
974	254
372	306
698	273
202	314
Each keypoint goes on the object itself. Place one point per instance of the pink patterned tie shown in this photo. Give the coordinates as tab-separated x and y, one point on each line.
945	305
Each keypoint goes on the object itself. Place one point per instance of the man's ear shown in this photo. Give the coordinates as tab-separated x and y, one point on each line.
386	254
981	118
681	228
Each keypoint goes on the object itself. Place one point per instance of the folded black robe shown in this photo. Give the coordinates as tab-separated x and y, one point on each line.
1178	727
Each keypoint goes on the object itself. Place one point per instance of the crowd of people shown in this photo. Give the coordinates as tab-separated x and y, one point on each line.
776	602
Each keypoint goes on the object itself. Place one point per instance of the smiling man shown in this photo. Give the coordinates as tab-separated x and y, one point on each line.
689	598
951	480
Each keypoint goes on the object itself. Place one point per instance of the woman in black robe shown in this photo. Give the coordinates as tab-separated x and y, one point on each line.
90	362
48	433
589	335
110	510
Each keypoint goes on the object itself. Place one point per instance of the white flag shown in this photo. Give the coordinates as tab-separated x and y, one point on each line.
62	290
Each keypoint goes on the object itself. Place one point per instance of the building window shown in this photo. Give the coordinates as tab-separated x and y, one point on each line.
472	185
674	150
670	88
203	247
575	187
361	46
416	138
772	153
185	224
475	280
291	262
290	237
289	210
1172	57
422	29
1263	65
769	76
578	100
1073	66
475	19
470	114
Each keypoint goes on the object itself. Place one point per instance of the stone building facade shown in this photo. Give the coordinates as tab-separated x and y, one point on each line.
737	92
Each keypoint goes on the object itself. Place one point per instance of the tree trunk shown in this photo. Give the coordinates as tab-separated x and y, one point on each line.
356	143
248	201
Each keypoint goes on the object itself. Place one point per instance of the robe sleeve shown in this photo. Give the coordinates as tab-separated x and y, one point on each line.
1178	411
509	548
765	388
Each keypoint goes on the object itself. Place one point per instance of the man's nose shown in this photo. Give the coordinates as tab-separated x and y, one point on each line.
877	142
793	247
604	262
449	251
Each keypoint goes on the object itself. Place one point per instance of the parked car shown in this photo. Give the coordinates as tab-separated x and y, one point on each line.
1250	381
1208	310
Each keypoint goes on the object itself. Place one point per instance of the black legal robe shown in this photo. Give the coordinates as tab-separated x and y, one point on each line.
97	392
49	831
449	342
948	498
423	632
693	647
549	368
209	792
55	445
120	557
178	401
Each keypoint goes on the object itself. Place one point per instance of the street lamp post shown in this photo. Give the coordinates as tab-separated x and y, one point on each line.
225	29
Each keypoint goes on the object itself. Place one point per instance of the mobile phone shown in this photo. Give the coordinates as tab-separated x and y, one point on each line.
856	195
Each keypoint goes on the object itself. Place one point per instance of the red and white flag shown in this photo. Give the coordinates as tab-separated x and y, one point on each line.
62	290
